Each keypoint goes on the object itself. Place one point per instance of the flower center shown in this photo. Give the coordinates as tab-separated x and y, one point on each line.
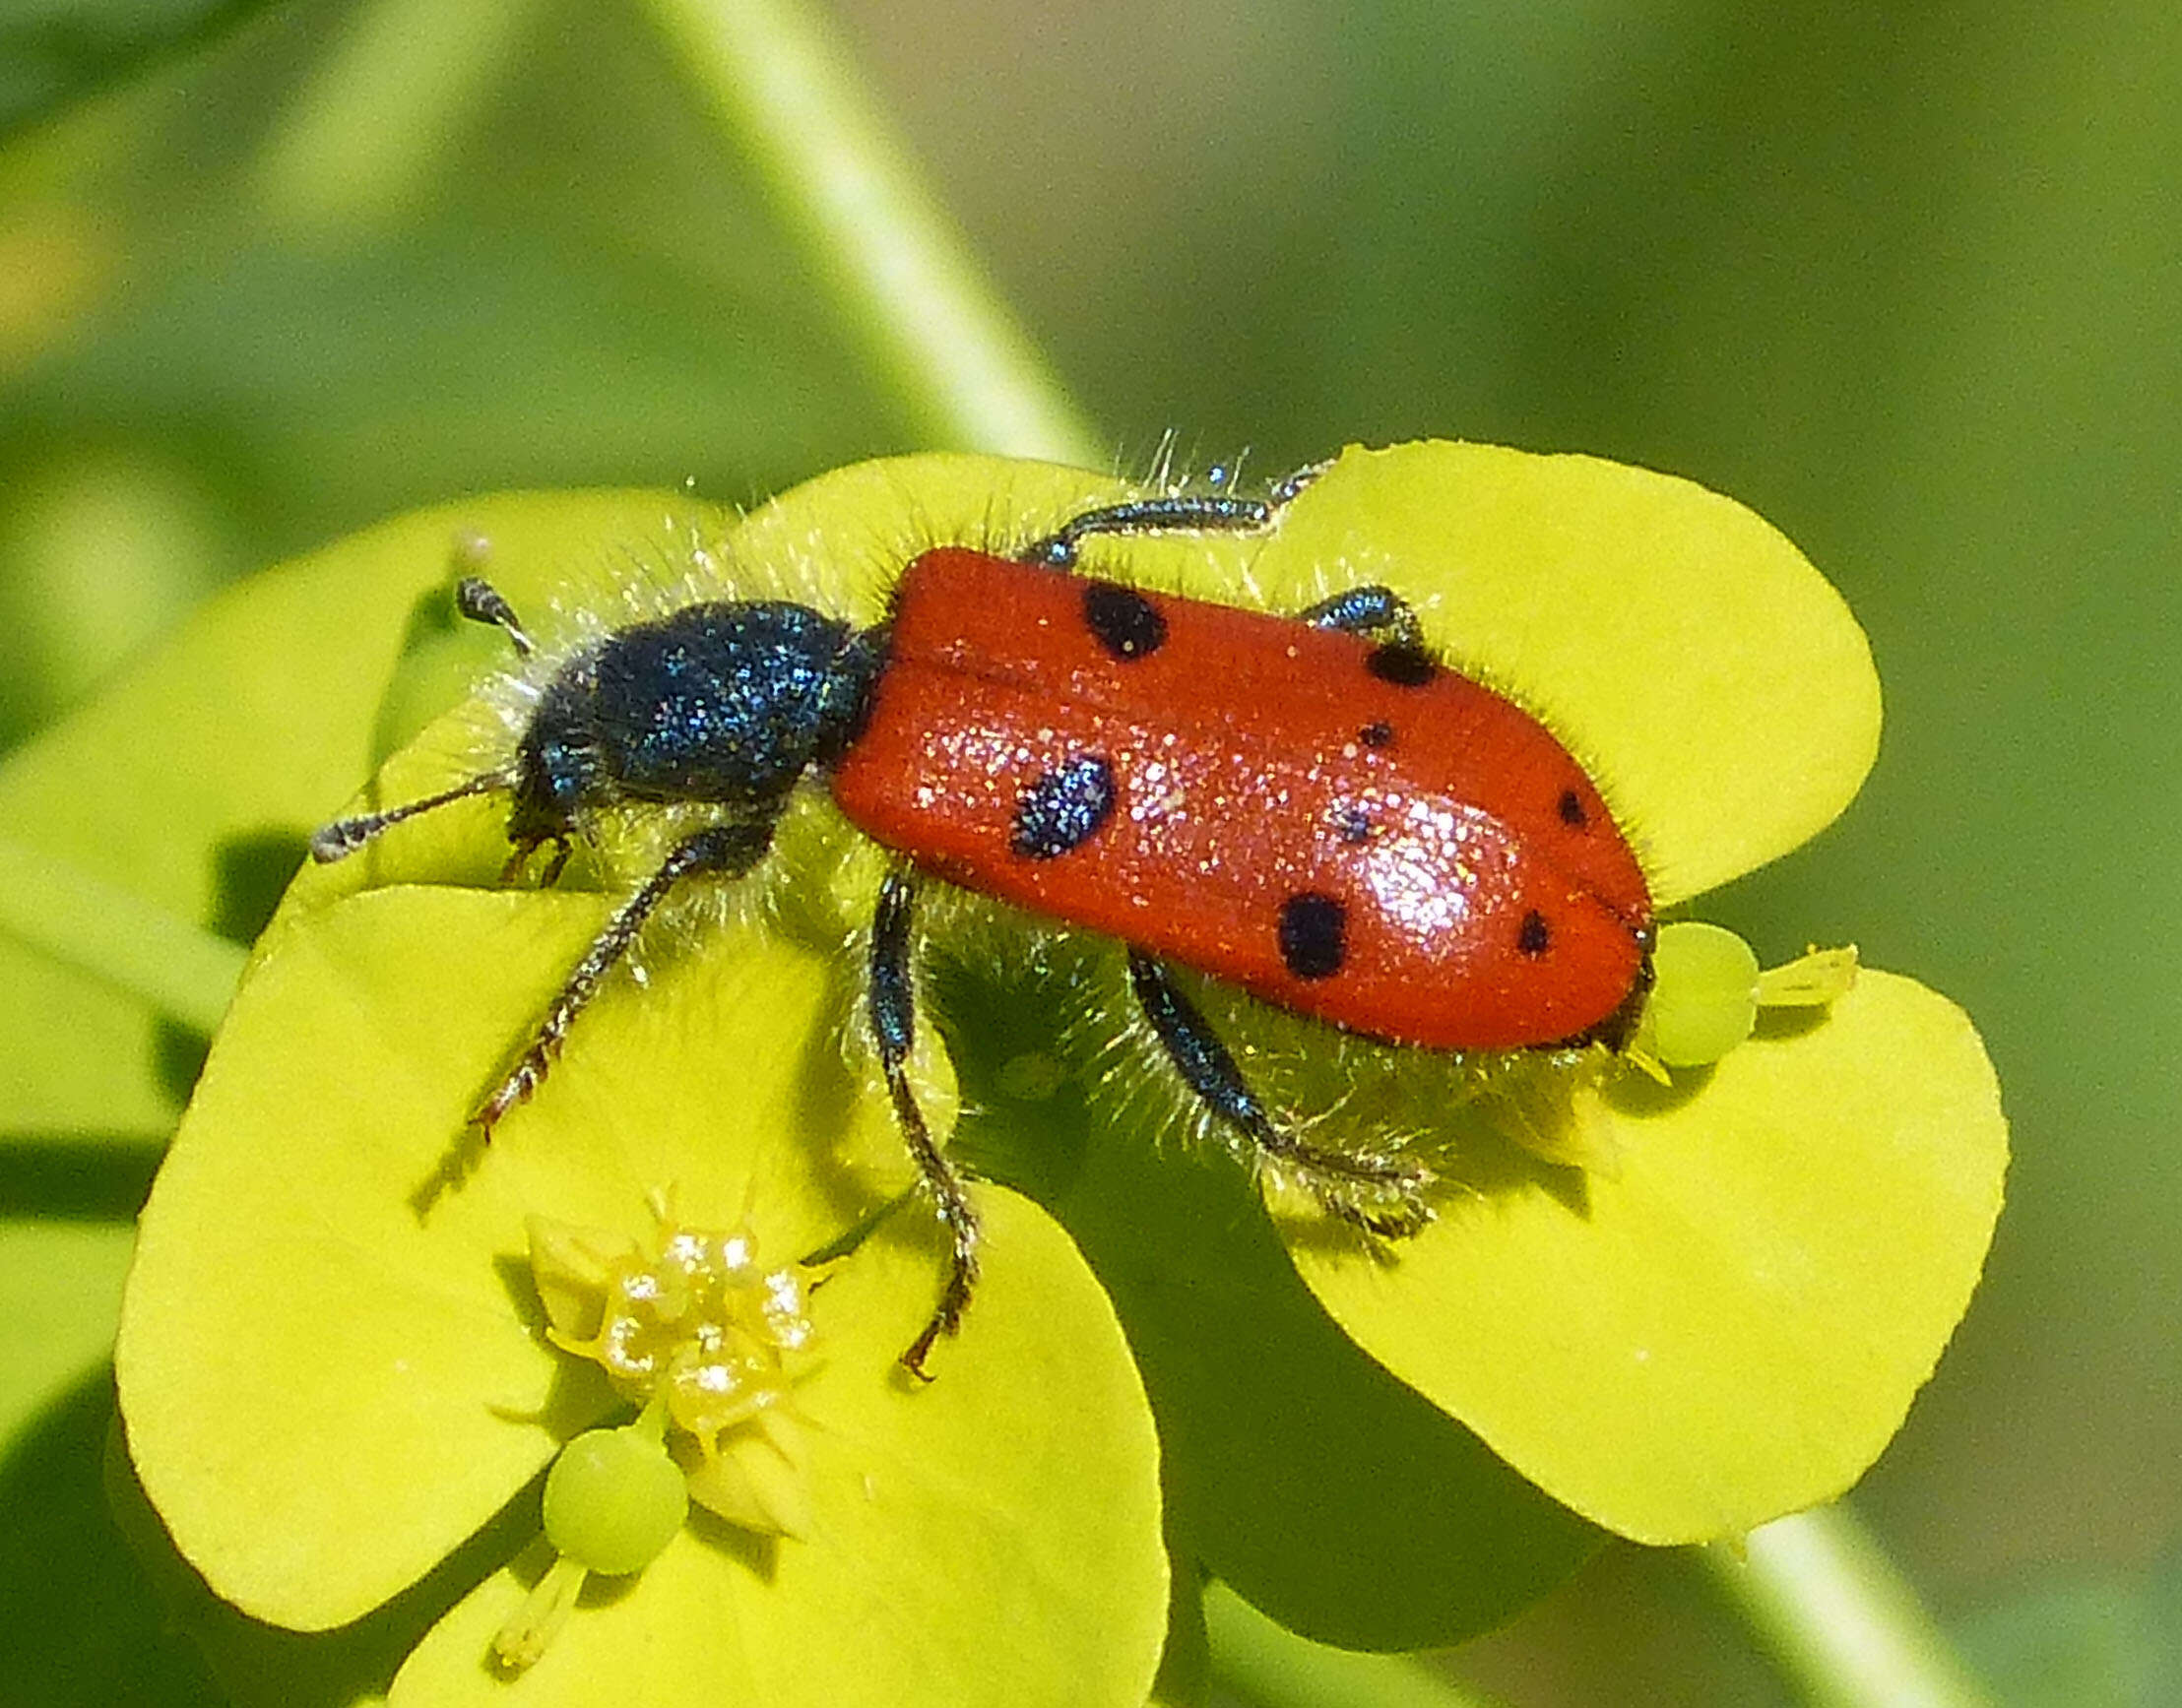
691	1325
694	1317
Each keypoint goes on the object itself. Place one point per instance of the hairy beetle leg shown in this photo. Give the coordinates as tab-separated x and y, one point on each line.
724	850
893	1015
1349	1189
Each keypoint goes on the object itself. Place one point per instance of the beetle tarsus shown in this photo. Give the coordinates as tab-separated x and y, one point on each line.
1368	611
1177	513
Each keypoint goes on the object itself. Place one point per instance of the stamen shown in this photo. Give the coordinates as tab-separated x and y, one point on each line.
525	1637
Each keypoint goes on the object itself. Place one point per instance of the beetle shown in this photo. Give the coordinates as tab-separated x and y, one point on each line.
1312	807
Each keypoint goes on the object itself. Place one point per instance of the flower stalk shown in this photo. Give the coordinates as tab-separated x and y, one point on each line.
936	330
1837	1616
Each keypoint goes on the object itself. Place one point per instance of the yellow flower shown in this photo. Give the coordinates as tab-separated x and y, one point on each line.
1725	1316
338	1359
1730	1324
335	1366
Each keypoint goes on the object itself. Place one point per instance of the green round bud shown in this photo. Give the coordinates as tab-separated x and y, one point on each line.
1033	1077
613	1500
1704	995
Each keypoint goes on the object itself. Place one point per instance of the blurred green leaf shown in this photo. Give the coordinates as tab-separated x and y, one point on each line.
2084	1640
56	51
1185	1660
78	1623
60	1274
100	551
1275	1666
516	357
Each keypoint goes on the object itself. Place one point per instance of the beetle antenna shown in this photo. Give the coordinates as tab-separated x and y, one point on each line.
482	603
344	836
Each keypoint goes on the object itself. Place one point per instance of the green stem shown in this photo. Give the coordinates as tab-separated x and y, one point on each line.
1258	1658
371	125
938	332
1838	1618
116	937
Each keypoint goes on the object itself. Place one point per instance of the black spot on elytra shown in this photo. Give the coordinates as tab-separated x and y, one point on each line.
1405	665
1380	734
1122	620
1571	810
1313	935
1536	937
1063	809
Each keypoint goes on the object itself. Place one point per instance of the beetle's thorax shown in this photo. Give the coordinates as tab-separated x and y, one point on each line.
726	703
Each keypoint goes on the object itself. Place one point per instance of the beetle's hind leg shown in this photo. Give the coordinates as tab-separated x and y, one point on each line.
893	1014
1177	513
1377	1196
723	849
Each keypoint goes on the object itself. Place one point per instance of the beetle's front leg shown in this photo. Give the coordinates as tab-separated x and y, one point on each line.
727	850
893	1014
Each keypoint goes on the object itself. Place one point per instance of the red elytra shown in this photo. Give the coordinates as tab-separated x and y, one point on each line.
1337	826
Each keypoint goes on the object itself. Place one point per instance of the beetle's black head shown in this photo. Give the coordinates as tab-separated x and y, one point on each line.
558	766
723	703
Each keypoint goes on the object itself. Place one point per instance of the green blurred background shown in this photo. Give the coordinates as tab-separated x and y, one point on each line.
1907	280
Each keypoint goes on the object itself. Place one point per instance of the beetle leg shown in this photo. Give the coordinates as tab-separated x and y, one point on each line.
1369	610
1209	513
556	863
1285	489
893	1014
1179	513
727	850
1209	1070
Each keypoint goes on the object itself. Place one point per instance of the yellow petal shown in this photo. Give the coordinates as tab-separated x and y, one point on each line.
840	540
1709	678
325	1388
1734	1326
990	1538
